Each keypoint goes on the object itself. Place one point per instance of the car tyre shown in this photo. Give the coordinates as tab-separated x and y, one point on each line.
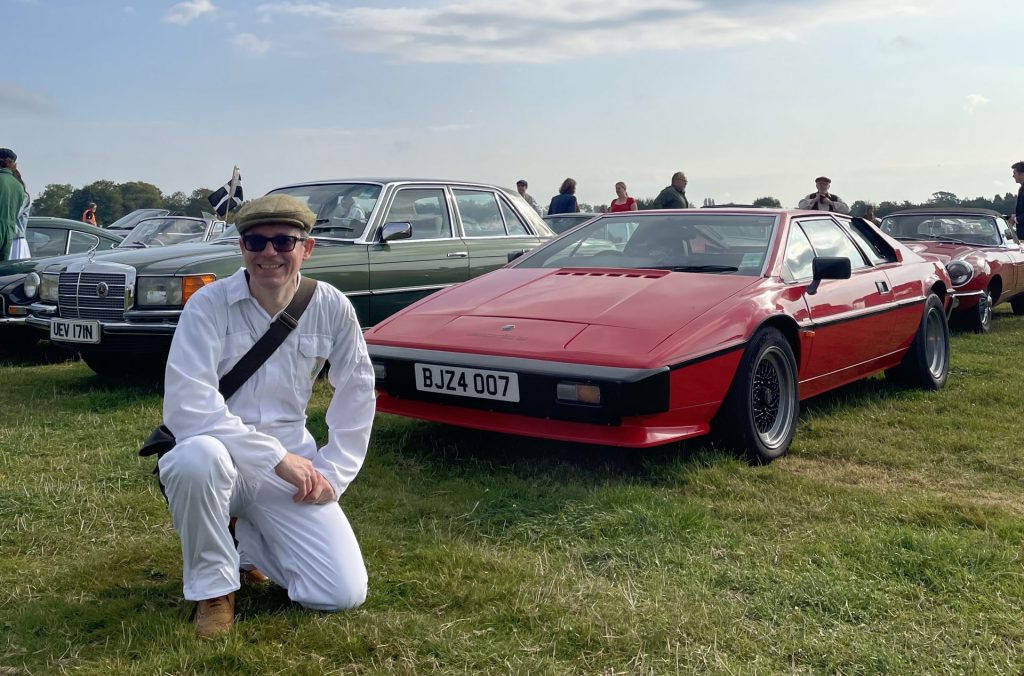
926	364
1018	305
980	318
759	414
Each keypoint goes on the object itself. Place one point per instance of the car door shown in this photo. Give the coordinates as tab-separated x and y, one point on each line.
404	270
849	317
491	228
1013	259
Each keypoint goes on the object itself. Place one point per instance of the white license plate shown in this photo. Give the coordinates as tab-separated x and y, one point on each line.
75	330
479	383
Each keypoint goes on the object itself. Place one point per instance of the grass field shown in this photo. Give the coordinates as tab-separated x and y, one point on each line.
888	541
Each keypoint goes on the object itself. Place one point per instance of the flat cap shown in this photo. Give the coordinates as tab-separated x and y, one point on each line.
823	178
274	210
7	154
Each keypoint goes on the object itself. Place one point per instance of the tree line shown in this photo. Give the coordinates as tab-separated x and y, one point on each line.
114	200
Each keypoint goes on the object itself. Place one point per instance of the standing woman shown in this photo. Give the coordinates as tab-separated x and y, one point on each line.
565	201
19	249
623	202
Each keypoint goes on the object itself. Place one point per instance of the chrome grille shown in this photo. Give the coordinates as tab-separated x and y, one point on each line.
78	298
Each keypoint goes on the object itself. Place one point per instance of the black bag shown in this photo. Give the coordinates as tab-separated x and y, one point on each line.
161	440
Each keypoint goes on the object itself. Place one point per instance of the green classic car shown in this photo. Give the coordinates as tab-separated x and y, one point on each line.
47	238
385	242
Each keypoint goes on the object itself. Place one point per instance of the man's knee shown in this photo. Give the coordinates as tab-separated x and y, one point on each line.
197	460
338	594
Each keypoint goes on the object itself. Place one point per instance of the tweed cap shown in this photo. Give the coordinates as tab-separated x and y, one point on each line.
823	178
274	210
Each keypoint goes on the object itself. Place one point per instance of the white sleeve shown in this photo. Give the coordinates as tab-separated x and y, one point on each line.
840	206
350	413
805	203
193	404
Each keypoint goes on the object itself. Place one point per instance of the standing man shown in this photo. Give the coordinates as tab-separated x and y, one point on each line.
251	457
521	186
674	195
1018	212
89	215
822	199
12	197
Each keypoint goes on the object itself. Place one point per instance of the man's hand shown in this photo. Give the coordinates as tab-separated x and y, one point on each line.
299	472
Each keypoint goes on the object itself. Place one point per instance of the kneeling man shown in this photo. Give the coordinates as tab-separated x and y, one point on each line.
251	457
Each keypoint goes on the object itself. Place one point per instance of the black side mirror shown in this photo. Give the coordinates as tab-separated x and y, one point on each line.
512	255
828	268
392	231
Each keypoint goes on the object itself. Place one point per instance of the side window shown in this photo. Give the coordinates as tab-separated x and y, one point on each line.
480	214
799	255
44	242
82	242
425	209
829	240
870	243
513	224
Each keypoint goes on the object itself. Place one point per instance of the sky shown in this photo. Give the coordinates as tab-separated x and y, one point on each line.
892	99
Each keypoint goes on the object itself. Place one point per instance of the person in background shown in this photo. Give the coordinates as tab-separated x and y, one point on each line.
822	199
19	249
12	198
869	215
1017	220
674	194
565	201
623	202
89	215
521	186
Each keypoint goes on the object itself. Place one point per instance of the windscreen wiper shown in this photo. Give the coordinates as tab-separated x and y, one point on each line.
698	268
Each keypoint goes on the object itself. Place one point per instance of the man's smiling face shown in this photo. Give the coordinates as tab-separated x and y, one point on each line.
269	268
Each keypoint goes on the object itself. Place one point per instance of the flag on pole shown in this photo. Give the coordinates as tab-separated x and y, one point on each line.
229	196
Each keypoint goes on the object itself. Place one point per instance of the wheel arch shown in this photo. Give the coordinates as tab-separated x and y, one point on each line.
996	286
787	326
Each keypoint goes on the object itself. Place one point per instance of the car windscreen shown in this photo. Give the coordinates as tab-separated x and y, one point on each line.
685	242
979	229
164	232
560	223
130	220
342	209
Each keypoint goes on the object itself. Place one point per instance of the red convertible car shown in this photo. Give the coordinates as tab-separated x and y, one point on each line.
648	327
980	251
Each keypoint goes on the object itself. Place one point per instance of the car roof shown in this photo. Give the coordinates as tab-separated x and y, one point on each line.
392	179
952	211
70	224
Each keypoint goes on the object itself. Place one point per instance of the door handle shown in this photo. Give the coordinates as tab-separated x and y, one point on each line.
458	254
882	287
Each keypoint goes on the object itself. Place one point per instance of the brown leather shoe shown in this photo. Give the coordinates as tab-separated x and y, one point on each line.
215	616
253	577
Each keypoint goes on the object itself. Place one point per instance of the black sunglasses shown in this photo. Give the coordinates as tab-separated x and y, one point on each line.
282	243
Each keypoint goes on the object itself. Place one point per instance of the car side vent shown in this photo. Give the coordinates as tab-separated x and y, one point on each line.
649	274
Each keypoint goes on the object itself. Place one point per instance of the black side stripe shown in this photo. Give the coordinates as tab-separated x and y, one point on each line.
810	326
711	355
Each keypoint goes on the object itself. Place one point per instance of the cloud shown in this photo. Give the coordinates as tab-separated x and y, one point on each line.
974	101
13	97
898	43
251	45
128	9
480	31
186	12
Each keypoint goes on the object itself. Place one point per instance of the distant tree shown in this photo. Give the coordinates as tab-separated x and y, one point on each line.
767	202
858	208
943	199
53	201
176	202
106	195
140	195
198	202
644	203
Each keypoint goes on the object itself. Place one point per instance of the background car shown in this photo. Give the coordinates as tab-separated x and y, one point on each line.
717	317
559	223
980	251
131	219
414	238
47	237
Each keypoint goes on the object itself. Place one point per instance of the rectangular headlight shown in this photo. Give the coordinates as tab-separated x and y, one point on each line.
578	393
48	287
169	290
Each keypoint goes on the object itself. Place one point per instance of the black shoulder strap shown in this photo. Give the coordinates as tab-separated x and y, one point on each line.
279	329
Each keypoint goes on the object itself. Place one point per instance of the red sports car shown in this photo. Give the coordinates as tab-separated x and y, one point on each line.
643	328
980	251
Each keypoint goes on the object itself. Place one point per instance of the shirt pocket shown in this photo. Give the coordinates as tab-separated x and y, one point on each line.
313	353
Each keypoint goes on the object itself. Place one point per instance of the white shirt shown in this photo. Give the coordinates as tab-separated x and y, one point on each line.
267	415
811	202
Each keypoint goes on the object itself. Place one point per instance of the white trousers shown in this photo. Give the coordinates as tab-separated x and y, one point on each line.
308	549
